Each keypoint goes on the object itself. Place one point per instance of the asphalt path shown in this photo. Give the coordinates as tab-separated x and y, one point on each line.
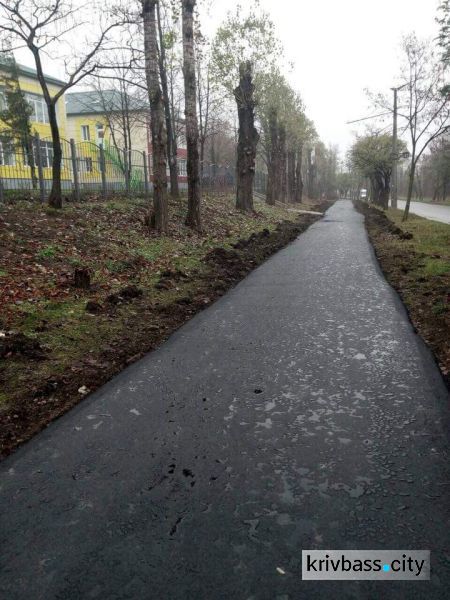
435	212
300	411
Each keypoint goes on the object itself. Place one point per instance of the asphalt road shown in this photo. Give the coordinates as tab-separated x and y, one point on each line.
298	412
435	212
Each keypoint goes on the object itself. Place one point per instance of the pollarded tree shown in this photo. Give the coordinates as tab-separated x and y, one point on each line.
248	139
243	40
285	130
48	28
273	96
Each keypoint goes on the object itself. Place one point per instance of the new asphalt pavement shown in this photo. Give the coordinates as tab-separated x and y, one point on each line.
300	411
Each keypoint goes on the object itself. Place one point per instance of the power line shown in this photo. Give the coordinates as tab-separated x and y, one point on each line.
367	118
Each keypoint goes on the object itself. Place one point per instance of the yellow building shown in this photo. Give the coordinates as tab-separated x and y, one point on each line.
117	122
14	171
108	117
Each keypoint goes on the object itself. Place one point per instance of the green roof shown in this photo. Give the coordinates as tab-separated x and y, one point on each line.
7	62
30	72
96	102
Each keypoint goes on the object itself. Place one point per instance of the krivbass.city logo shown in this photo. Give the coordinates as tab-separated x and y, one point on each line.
387	565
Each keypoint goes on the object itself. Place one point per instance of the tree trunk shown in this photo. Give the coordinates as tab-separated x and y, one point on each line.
384	196
291	175
311	176
82	278
190	93
55	198
202	157
156	116
272	187
282	165
248	139
412	173
171	154
298	176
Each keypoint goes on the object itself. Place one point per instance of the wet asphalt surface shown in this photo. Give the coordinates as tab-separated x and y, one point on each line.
300	411
435	212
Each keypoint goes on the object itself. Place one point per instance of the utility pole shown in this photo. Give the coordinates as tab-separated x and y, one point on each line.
394	177
395	157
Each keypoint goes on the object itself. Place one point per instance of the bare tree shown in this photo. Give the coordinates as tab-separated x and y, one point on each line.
42	27
425	103
125	109
157	116
428	106
194	193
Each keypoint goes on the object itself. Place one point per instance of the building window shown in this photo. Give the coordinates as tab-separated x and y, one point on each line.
100	131
3	103
85	133
7	156
46	155
40	112
86	164
182	171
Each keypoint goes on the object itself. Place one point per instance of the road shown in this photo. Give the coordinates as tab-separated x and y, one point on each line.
299	411
435	212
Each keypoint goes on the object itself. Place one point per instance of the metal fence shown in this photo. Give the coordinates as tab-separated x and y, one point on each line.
88	168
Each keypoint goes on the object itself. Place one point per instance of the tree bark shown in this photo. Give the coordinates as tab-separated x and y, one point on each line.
82	278
171	146
272	168
311	176
55	198
156	116
291	175
298	176
193	218
282	165
248	139
411	176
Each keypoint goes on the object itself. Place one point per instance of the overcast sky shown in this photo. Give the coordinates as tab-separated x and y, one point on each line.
339	48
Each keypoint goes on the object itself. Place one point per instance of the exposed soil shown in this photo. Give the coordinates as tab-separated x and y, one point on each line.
415	258
138	319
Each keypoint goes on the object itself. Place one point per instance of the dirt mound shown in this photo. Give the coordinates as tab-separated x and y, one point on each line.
126	294
18	343
379	218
